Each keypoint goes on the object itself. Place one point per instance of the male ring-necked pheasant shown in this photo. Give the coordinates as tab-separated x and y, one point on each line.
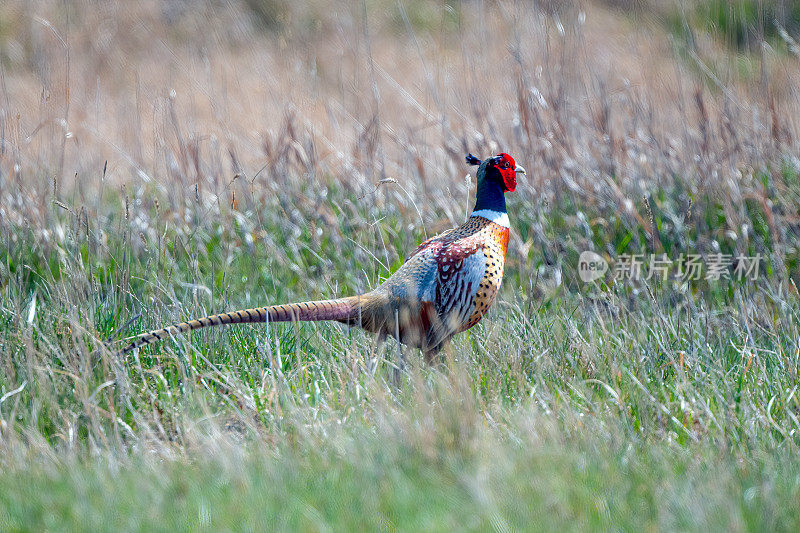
445	287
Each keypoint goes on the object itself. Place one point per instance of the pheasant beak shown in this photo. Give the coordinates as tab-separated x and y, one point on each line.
519	169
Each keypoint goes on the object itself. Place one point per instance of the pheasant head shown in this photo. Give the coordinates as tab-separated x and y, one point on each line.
496	176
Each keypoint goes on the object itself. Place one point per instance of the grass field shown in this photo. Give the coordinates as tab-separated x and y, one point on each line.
166	160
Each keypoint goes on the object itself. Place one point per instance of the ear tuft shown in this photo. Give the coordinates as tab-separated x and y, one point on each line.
472	160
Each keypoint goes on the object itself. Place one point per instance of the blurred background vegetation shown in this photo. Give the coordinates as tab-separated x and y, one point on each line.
165	159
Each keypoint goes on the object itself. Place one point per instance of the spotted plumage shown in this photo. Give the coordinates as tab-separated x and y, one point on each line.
445	287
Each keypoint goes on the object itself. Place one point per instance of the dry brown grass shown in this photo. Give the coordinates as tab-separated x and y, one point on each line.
195	95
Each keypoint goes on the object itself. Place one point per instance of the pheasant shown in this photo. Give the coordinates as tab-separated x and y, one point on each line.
445	287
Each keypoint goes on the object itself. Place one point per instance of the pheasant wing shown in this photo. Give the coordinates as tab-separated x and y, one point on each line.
461	268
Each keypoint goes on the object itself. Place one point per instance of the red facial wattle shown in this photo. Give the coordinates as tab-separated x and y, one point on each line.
508	170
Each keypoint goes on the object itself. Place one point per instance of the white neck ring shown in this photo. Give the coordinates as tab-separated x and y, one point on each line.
498	217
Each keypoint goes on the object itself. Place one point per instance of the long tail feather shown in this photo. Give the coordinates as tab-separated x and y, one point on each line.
343	310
